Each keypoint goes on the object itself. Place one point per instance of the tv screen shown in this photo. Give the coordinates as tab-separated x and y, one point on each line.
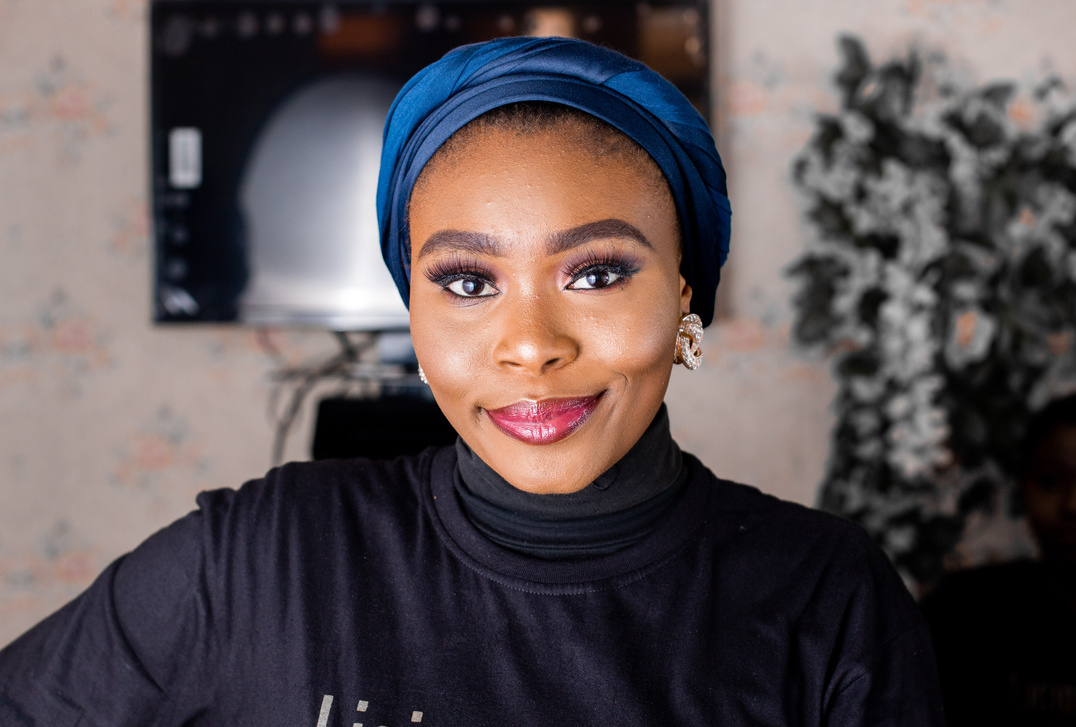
266	139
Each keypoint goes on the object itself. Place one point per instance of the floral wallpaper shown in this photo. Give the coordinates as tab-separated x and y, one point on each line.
109	425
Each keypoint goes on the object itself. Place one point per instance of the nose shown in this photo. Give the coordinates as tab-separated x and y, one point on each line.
1069	502
533	336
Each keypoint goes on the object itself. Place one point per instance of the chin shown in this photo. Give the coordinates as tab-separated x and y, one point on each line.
544	478
566	466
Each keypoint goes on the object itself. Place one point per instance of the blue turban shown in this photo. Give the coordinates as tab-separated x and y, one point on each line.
624	93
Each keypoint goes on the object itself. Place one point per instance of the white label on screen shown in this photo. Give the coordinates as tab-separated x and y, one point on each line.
177	301
185	158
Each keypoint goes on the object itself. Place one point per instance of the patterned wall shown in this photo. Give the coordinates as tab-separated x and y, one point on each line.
109	426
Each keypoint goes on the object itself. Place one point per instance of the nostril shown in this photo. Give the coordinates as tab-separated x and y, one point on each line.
538	345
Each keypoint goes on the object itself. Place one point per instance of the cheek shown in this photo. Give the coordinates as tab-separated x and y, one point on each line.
1042	507
449	350
454	353
634	340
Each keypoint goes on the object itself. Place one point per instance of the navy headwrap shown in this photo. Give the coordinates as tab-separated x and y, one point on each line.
624	93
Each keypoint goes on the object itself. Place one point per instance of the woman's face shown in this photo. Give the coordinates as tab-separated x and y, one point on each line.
545	299
1049	488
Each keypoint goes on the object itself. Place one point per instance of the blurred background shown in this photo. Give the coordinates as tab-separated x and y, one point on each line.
898	298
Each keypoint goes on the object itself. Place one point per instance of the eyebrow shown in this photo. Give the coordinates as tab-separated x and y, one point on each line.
576	236
461	241
481	244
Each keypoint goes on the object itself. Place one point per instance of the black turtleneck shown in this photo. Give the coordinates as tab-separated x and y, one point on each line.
342	582
616	510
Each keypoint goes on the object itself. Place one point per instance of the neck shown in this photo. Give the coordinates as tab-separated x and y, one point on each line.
619	508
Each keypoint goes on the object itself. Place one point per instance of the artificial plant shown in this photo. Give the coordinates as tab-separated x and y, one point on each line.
943	276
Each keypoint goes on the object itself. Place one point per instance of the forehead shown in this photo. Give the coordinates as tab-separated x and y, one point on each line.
506	183
1058	447
551	126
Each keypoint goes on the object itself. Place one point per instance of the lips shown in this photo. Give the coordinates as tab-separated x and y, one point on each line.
546	421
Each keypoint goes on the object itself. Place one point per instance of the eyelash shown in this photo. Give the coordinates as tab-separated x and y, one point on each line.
623	266
449	271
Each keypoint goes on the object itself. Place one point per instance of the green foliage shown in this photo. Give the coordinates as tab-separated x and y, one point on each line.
944	276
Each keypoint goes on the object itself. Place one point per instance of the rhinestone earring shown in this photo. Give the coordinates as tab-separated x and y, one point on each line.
688	342
422	375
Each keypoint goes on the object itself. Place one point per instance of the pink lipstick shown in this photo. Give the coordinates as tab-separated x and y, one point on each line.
546	421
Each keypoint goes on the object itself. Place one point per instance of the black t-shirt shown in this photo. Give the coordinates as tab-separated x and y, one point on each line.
1005	637
356	592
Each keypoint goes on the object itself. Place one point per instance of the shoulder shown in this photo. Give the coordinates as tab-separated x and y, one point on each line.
983	592
987	578
293	508
301	491
771	527
312	512
817	564
823	581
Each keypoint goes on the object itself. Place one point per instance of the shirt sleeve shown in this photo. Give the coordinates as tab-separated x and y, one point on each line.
900	688
883	672
128	651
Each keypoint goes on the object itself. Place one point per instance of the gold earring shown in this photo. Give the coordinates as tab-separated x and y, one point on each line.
422	375
688	342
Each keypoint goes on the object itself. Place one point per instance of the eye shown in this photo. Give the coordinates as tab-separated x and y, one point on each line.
463	279
469	287
1046	481
595	279
596	270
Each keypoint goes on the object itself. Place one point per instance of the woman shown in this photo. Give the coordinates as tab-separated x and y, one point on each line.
1005	633
555	214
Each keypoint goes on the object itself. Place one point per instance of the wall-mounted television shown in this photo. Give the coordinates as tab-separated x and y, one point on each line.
266	136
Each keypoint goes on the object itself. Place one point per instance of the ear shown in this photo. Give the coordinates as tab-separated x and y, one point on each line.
685	297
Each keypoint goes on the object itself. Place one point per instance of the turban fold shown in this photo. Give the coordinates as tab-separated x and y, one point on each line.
624	93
